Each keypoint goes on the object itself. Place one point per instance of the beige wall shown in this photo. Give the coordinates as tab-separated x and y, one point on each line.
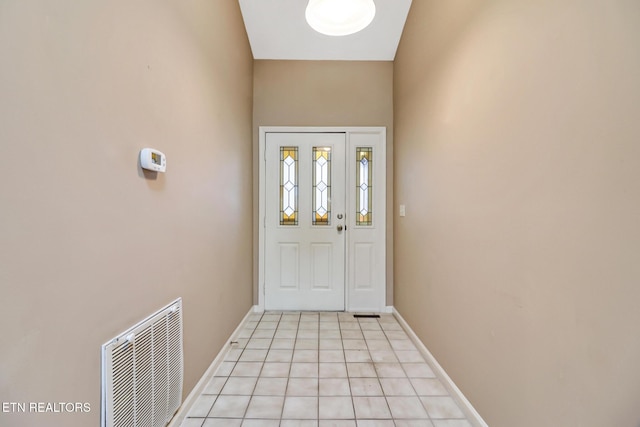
325	93
89	245
517	144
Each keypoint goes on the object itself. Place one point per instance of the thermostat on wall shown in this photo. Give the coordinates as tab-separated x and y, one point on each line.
153	160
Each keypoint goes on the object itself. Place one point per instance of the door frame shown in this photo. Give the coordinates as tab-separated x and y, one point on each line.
378	301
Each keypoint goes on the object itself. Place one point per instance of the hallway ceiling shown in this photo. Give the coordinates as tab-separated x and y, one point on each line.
277	29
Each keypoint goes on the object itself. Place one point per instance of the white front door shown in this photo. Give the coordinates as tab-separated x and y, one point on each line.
323	225
305	232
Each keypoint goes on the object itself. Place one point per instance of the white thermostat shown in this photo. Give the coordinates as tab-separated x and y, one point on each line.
153	160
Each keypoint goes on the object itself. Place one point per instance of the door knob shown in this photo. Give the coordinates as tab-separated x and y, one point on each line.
339	228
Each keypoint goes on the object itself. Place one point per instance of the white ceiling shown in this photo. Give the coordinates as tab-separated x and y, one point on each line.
277	29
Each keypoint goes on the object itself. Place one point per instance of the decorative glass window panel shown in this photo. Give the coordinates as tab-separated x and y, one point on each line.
364	185
288	185
321	185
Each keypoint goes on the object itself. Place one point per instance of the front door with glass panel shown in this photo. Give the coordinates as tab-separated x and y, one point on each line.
305	221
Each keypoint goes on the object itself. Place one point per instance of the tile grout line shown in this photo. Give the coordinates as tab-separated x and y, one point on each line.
235	363
244	417
405	373
344	354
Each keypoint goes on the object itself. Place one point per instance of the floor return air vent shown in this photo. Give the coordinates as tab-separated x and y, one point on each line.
142	371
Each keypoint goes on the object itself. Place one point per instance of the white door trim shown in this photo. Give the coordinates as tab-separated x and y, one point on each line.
380	132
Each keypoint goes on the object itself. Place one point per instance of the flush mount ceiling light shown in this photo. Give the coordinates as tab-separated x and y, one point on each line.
340	17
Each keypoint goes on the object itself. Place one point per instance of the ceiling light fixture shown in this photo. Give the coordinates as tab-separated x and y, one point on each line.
340	17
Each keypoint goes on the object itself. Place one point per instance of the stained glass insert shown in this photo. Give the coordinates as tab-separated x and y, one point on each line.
364	185
288	185
321	185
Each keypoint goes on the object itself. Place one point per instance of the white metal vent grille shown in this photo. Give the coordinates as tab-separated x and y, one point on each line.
142	371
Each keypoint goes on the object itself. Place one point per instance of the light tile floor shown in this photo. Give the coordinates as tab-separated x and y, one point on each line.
324	370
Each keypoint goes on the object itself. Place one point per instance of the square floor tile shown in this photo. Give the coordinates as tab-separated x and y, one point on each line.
308	325
249	355
429	387
308	334
240	343
451	423
383	356
370	326
288	325
240	386
357	356
371	407
299	423
215	385
334	387
335	408
283	343
290	317
275	370
304	370
279	355
361	370
286	333
260	423
306	344
396	335
354	344
222	422
302	387
390	370
330	344
267	325
442	407
247	369
265	407
329	326
378	345
202	406
270	386
375	423
330	334
259	343
230	407
332	356
305	356
225	368
332	370
406	407
233	355
365	387
397	387
337	423
346	326
374	335
402	345
409	356
418	370
245	333
352	334
413	423
300	408
263	333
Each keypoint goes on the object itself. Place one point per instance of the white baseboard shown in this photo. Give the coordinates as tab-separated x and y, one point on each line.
472	415
177	419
